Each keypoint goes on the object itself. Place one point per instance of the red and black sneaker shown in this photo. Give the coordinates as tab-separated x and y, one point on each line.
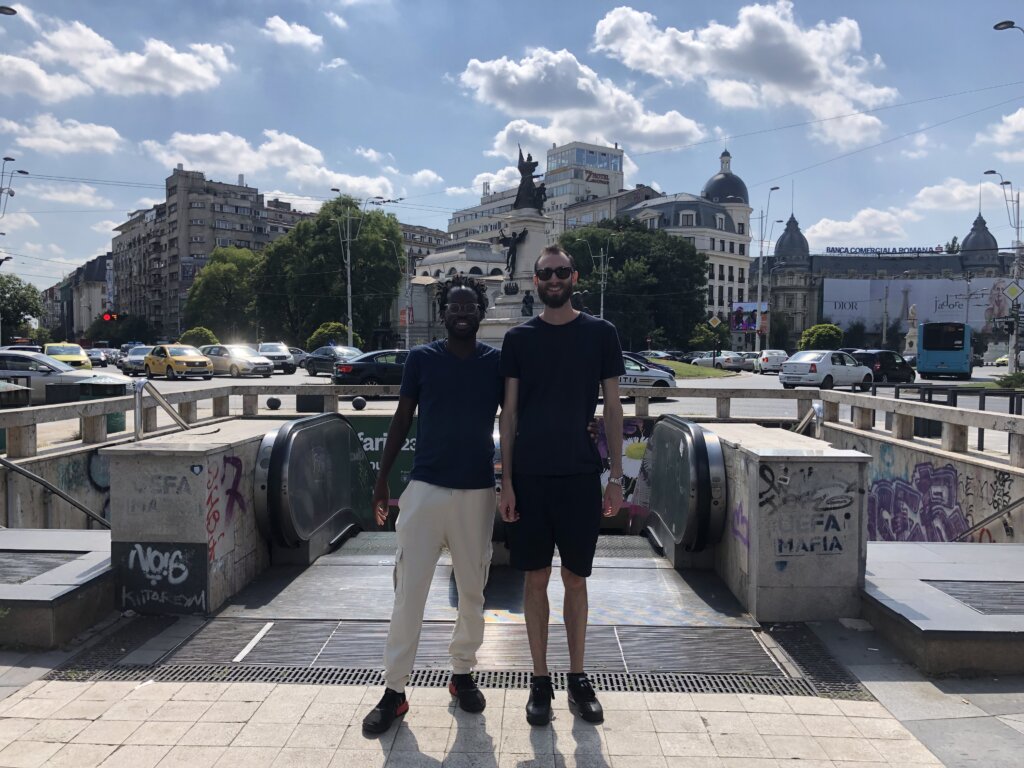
391	705
464	689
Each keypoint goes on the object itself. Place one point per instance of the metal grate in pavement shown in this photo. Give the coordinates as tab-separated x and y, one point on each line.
104	654
826	676
991	598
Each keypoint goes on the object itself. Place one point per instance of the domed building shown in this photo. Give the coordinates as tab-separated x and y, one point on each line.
725	185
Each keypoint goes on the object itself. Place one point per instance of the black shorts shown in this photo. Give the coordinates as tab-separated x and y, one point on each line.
562	511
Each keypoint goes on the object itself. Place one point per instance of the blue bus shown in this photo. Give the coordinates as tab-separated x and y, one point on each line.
944	349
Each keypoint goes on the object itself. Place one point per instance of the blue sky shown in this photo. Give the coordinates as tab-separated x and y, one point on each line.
876	125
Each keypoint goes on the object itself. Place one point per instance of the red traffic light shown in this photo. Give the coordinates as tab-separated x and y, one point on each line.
107	316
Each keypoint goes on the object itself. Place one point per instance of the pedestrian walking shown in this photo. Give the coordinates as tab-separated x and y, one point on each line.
551	494
456	385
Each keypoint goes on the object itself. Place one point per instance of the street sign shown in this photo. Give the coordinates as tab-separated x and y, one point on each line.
714	322
1013	291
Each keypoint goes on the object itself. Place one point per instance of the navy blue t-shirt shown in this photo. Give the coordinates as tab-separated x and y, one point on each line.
458	400
560	369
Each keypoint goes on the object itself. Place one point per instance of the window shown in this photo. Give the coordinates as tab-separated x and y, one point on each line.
719	221
652	223
729	295
732	247
741	280
743	249
741	228
173	207
196	204
197	222
789	301
721	245
689	240
739	292
223	242
711	295
730	273
686	219
197	239
721	272
721	295
711	271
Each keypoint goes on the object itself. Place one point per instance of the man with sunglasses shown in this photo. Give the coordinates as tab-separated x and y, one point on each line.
551	481
457	385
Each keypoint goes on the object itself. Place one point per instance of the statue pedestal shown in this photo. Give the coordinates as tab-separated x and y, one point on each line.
507	310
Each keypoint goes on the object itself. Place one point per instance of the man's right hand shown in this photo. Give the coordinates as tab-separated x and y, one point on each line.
381	502
507	504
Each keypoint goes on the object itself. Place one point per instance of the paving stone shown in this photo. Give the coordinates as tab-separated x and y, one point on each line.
80	755
673	744
33	707
133	756
354	738
13	727
767	723
838	749
458	760
27	754
247	757
421	739
473	740
56	730
229	711
191	757
261	735
107	732
416	759
582	738
350	758
523	761
795	748
767	704
740	745
657	761
107	691
62	689
537	741
180	711
637	721
656	701
728	722
717	702
201	692
83	709
292	757
585	761
133	710
158	734
210	734
677	721
880	728
154	691
971	743
829	725
904	751
247	691
809	705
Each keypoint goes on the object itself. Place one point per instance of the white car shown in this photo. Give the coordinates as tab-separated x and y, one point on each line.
770	360
825	369
640	375
731	361
41	370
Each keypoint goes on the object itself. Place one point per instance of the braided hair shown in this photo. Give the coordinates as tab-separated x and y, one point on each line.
462	281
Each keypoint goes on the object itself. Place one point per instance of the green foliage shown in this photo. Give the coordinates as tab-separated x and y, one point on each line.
222	297
18	302
704	336
1011	381
953	246
856	335
655	282
778	333
198	336
822	336
332	332
301	283
119	331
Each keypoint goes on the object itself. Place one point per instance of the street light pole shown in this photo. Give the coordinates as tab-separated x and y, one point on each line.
605	258
5	187
347	244
1011	199
760	269
2	260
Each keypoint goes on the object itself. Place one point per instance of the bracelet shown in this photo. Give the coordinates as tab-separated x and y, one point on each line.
615	480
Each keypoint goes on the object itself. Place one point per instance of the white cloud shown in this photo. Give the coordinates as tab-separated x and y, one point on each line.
280	31
77	194
159	69
920	148
506	178
767	59
50	136
357	186
1008	132
298	202
955	194
338	63
15	221
576	103
147	202
105	227
336	20
55	249
25	76
26	14
32	247
373	155
868	226
426	177
227	153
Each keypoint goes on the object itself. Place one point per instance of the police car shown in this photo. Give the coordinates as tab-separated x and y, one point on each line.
639	375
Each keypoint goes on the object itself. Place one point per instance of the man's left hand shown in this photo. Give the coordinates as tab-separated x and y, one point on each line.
612	500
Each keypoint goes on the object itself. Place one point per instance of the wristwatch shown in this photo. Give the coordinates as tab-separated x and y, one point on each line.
615	480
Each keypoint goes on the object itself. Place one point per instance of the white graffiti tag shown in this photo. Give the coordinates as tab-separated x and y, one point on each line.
156	565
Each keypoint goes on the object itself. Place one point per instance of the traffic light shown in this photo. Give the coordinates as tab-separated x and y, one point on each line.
110	316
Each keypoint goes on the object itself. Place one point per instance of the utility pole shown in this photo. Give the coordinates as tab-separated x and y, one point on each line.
760	270
885	315
604	280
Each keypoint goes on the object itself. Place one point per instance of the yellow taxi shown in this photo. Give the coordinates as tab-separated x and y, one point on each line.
68	353
174	360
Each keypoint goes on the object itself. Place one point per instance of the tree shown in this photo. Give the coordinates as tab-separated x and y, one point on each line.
198	336
704	337
18	302
331	333
822	336
654	281
222	297
779	333
301	283
856	335
119	331
953	246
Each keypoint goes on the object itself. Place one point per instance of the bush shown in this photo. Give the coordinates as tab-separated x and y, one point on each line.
198	336
1011	381
332	333
822	336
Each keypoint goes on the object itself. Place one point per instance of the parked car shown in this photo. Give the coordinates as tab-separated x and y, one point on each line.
24	348
68	353
277	352
722	360
644	375
98	357
42	370
749	358
644	361
1002	360
298	356
322	360
174	360
382	367
825	369
237	360
886	366
771	360
655	354
134	363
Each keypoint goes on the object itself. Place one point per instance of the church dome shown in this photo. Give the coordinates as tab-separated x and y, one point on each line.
979	243
792	245
725	184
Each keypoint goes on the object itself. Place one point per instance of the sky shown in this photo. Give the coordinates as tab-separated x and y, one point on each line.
876	120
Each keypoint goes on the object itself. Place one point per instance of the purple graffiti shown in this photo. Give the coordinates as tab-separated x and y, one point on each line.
924	509
740	526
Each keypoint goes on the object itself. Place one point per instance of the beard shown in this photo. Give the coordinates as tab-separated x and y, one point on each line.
554	296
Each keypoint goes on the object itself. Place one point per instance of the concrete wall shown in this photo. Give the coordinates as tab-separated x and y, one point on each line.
918	492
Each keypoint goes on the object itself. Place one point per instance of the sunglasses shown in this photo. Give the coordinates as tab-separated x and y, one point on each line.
461	309
562	273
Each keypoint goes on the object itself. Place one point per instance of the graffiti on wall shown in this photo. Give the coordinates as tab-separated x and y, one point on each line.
805	513
223	501
925	507
160	577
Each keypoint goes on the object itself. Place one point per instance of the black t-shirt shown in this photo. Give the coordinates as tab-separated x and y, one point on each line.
560	369
458	400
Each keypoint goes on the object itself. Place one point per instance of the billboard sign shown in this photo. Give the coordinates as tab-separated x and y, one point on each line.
743	315
846	302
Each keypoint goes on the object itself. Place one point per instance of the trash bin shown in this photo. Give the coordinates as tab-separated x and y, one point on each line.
12	396
309	403
99	387
61	393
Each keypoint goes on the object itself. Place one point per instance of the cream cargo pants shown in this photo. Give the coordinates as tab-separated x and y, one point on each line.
431	517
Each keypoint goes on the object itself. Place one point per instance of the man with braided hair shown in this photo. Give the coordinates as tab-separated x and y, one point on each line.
450	500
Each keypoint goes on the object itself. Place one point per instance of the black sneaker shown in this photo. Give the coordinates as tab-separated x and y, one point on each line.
582	698
391	705
470	698
538	708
